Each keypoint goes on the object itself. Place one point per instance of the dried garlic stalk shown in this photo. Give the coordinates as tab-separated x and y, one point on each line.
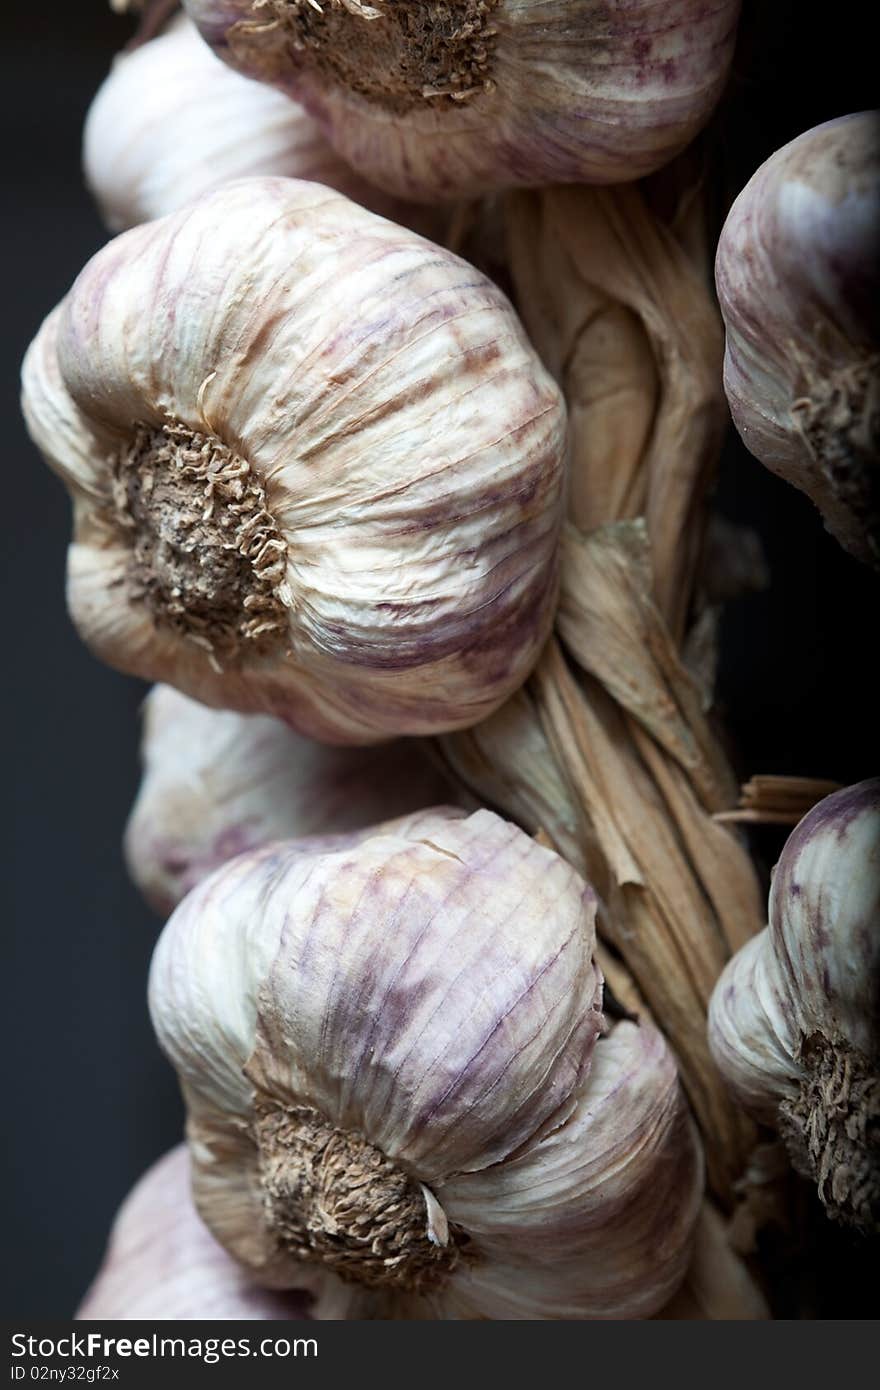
609	745
768	800
620	315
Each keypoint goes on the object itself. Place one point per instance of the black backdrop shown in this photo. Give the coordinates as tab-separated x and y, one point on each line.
88	1102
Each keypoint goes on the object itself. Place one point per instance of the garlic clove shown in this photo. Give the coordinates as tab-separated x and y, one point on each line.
171	122
163	1264
793	1018
218	783
797	280
341	506
598	1213
439	101
752	1033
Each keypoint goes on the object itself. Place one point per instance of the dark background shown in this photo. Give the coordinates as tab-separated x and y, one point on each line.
88	1102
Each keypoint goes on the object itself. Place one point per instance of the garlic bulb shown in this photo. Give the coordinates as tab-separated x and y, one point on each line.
793	1022
435	99
163	1264
398	1094
316	466
218	783
171	122
799	286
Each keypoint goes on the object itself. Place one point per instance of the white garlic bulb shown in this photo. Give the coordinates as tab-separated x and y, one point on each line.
397	1092
441	100
163	1264
218	783
799	287
793	1022
171	122
316	466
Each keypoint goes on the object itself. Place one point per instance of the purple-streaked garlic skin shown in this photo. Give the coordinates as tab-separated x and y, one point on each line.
163	1265
621	1249
401	443
798	282
426	995
171	122
793	1020
751	1030
217	783
564	91
825	915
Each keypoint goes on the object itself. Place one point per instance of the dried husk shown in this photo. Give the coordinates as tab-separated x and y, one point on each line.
601	282
610	743
771	800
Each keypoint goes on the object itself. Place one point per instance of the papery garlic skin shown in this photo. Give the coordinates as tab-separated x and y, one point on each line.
218	783
793	1021
163	1264
317	468
441	100
416	1018
171	123
799	287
